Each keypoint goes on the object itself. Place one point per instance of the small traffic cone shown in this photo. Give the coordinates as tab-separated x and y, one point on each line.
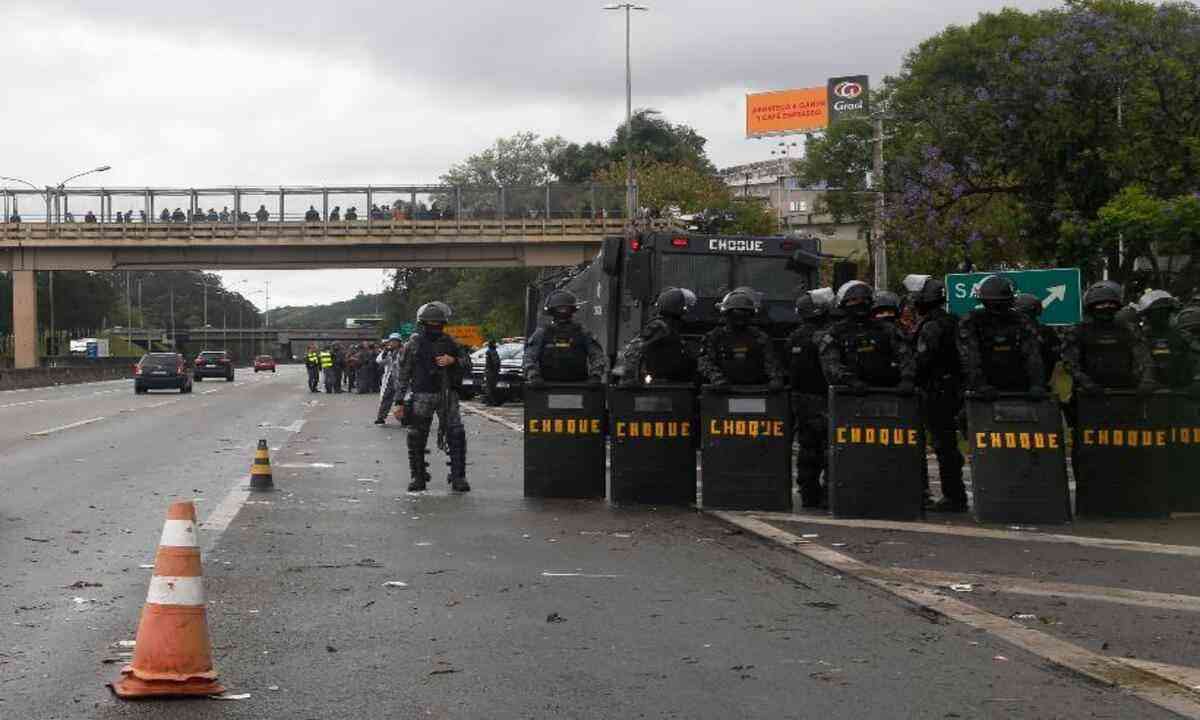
173	656
260	470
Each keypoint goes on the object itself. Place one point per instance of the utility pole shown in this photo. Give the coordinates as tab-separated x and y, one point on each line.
631	199
880	254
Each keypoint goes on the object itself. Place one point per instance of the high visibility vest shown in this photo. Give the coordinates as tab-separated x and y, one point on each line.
313	358
326	359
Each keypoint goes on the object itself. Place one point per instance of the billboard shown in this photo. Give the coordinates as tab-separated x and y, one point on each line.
848	96
784	112
806	110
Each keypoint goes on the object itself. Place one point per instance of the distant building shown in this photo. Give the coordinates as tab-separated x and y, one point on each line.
797	207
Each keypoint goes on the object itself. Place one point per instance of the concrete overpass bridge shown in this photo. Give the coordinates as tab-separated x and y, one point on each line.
415	225
244	343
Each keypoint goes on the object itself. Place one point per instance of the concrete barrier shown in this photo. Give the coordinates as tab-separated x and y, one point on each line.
48	377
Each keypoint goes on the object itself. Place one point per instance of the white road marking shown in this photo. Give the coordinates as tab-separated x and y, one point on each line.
1159	689
551	573
971	531
220	517
81	423
294	466
493	417
1045	588
210	392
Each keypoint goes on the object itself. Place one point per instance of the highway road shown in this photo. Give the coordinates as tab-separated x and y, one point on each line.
508	608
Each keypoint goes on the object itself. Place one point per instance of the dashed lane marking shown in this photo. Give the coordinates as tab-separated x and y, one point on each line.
1157	688
990	533
224	513
60	428
1045	588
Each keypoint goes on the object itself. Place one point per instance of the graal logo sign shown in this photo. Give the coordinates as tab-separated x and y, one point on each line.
847	96
848	90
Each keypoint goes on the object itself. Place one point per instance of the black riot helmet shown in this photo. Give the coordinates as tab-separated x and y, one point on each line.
433	316
1103	293
561	304
1027	304
931	293
855	298
675	302
885	305
738	307
1157	306
997	294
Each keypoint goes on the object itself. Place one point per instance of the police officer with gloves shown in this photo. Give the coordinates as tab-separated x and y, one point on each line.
431	368
999	346
658	353
564	351
939	375
737	353
1170	355
810	393
1103	354
859	351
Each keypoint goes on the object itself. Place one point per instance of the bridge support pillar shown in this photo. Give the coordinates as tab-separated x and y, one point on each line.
24	310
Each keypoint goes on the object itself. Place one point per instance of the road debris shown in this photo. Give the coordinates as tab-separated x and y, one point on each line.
242	696
555	618
962	587
395	583
80	584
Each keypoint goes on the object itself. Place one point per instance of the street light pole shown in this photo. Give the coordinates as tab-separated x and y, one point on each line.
881	259
631	200
61	185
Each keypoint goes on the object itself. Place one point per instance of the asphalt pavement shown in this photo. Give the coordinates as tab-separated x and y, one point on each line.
341	595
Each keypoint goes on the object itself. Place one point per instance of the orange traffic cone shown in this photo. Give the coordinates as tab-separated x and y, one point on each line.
173	656
260	469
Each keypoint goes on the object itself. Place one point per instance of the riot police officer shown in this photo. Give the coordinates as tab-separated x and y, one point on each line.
1101	353
658	353
860	352
735	352
1051	345
564	351
999	347
1170	356
939	375
431	368
810	393
886	307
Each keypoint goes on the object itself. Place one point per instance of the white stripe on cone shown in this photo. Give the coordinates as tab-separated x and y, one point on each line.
175	590
179	533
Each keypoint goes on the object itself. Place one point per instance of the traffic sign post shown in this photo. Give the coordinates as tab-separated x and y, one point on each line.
1059	289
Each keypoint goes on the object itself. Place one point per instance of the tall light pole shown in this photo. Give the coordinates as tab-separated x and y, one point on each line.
41	191
61	185
58	193
631	200
785	154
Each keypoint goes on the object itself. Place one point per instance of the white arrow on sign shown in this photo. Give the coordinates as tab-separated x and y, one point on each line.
1057	292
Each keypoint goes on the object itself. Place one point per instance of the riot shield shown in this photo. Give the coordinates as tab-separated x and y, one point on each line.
1185	453
876	451
564	440
746	448
1018	460
653	444
1121	455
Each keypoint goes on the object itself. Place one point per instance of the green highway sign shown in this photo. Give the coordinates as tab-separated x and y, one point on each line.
1058	289
406	329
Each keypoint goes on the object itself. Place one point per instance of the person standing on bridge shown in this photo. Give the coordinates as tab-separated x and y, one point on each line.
312	363
432	367
261	214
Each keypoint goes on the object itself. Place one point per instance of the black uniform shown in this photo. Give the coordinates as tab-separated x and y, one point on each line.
433	391
659	352
739	356
860	352
1107	355
1171	356
491	372
939	375
1000	351
810	406
563	351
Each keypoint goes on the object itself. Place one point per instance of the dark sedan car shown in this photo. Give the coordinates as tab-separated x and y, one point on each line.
512	373
214	363
162	371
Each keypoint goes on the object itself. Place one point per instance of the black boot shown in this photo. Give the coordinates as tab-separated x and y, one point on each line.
457	439
418	436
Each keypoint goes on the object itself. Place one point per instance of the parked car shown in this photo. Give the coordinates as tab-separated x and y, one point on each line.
512	372
214	363
264	363
162	371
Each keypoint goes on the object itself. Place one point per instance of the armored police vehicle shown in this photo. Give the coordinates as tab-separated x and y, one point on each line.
618	288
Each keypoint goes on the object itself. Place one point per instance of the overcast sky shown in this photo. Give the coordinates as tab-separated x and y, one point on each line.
230	92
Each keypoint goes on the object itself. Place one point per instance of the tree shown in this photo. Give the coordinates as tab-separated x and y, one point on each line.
522	160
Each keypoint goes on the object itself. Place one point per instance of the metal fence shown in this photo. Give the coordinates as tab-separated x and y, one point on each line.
367	203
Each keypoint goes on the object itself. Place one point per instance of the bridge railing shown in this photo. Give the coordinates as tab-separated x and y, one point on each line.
288	204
